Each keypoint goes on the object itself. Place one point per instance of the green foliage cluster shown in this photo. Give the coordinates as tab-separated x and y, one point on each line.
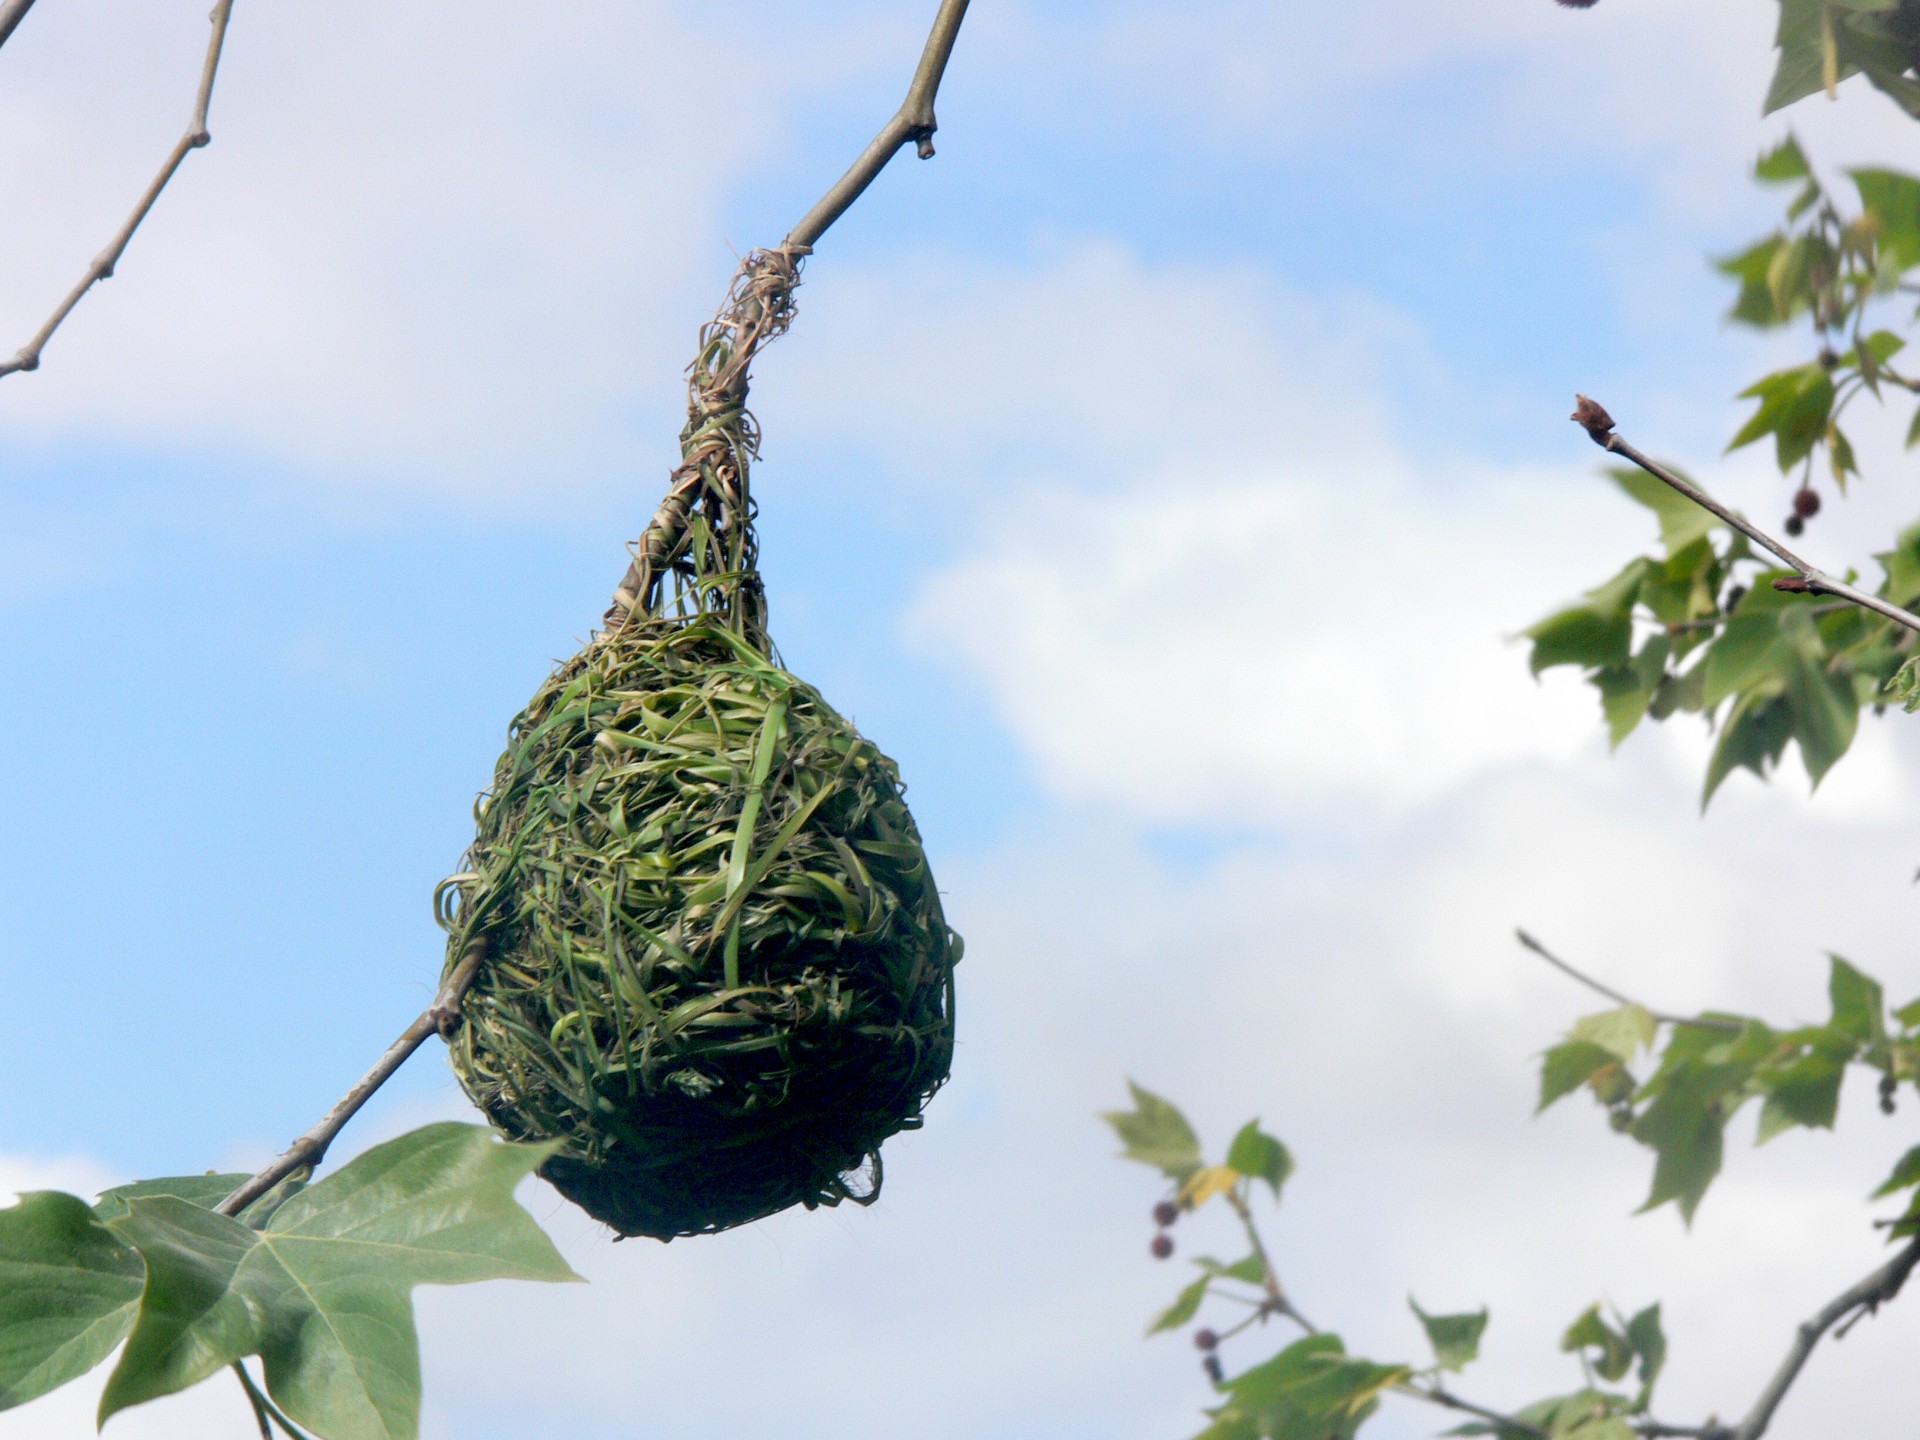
315	1280
1313	1388
1698	628
1704	1070
1822	42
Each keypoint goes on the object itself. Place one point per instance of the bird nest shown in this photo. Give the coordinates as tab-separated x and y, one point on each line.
715	964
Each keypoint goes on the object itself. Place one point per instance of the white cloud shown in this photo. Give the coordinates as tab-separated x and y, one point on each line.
440	245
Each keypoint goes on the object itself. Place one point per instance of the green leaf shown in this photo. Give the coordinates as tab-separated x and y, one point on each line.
1259	1156
1185	1306
1753	738
1684	1125
1906	1174
1312	1390
1892	200
206	1191
1623	1032
1826	714
1590	1332
1805	1092
1598	631
1786	161
1909	1015
1681	521
1627	691
1568	1066
68	1288
1250	1268
1859	1004
1455	1338
1750	267
1155	1133
322	1294
1802	39
1649	1341
1749	651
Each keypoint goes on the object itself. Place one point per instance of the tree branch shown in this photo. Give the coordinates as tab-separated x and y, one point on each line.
913	121
1438	1394
1593	418
195	137
1705	1023
1864	1298
11	14
311	1148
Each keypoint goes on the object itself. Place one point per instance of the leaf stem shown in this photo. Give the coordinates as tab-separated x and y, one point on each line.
264	1410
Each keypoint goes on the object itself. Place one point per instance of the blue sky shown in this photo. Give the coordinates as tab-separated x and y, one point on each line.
1155	474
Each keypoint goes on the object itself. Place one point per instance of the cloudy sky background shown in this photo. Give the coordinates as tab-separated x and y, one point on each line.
1157	474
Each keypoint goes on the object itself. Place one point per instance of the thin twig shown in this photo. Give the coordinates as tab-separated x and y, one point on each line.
311	1148
913	121
195	137
1593	418
1861	1299
1732	1027
254	1399
1277	1302
1437	1394
11	14
264	1408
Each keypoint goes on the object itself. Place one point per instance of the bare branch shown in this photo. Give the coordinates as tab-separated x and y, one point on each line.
1701	1023
11	14
913	121
1864	1298
194	138
311	1148
1593	418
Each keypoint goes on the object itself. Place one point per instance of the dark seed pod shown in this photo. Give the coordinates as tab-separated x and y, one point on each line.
1795	525
1806	502
1165	1213
713	963
1206	1340
1162	1246
1212	1363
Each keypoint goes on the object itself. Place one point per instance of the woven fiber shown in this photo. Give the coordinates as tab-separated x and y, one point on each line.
716	967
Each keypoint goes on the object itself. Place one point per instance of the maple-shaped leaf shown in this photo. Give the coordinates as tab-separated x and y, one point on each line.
323	1292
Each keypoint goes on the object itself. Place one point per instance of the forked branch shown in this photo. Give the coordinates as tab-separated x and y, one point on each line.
1593	418
195	137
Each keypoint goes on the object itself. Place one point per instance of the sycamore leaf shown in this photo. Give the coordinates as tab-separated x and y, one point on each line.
1906	1174
1859	1004
1590	1332
323	1292
1681	521
1568	1066
1155	1133
1259	1156
68	1289
1185	1306
1207	1182
1455	1338
1623	1032
1649	1341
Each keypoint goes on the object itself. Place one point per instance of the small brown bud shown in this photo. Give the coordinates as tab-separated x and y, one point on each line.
1162	1246
1591	416
1165	1213
1806	502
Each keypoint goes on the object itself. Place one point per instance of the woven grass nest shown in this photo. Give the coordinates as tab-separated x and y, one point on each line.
714	963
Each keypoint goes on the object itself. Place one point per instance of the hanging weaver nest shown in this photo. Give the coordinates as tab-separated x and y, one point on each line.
715	965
